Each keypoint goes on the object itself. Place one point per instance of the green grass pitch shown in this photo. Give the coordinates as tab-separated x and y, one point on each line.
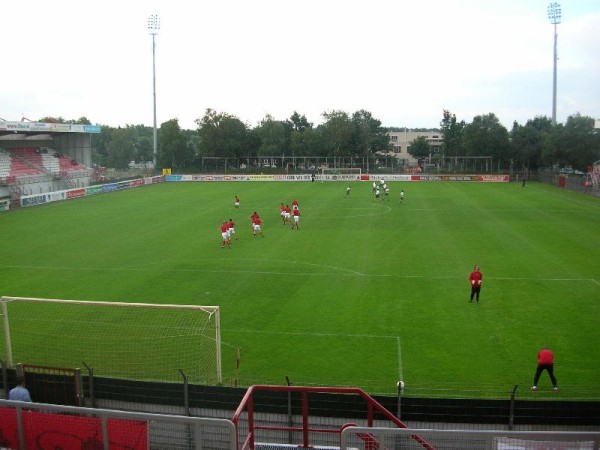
366	292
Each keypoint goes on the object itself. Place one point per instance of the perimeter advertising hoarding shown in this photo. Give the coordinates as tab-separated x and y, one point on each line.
479	178
39	199
342	177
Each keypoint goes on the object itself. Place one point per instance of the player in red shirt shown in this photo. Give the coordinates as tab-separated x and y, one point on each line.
475	278
256	223
294	204
231	230
296	213
282	212
236	202
254	214
545	361
225	235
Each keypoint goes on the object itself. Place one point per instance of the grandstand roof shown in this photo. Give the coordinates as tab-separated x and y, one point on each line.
41	130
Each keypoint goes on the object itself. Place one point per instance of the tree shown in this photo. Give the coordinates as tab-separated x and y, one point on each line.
100	143
368	135
420	148
81	121
452	133
578	142
144	146
173	151
296	127
307	143
298	122
486	136
50	119
253	142
336	132
143	142
222	135
528	141
273	137
120	148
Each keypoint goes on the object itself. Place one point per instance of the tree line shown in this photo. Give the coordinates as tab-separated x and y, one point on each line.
536	144
539	143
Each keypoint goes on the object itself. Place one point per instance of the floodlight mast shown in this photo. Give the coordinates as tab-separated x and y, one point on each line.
153	27
554	14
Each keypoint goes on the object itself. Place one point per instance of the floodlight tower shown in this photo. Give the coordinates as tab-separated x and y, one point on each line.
153	27
554	14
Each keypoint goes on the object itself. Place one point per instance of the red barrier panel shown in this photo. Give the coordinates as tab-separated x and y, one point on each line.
8	428
46	430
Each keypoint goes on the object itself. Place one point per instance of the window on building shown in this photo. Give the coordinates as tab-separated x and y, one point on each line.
394	138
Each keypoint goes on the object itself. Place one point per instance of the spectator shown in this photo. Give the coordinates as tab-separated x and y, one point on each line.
20	392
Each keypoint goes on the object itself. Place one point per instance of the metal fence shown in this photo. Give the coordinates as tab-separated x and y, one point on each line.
363	438
571	182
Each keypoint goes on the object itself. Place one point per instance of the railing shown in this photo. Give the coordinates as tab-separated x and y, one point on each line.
352	437
250	428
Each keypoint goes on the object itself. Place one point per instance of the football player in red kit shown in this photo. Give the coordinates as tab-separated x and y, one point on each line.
475	278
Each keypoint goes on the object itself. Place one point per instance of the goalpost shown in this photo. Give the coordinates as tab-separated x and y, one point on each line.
139	341
340	173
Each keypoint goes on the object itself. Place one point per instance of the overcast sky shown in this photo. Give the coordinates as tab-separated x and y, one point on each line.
404	61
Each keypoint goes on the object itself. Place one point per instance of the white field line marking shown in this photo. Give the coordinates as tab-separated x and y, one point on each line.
528	211
271	272
296	333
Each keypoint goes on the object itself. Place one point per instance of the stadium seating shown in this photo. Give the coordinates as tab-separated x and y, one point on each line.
67	164
25	161
4	164
36	161
51	163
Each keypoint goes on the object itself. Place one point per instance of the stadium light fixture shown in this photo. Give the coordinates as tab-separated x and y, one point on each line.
554	14
153	27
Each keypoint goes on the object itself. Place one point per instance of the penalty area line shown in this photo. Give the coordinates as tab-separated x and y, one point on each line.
295	333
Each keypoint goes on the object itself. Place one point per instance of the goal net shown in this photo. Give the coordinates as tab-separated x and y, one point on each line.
341	173
137	341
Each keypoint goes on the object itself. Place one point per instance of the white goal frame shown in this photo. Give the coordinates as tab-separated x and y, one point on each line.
340	173
212	311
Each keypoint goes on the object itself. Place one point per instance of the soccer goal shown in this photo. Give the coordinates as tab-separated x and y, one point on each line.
138	341
340	173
